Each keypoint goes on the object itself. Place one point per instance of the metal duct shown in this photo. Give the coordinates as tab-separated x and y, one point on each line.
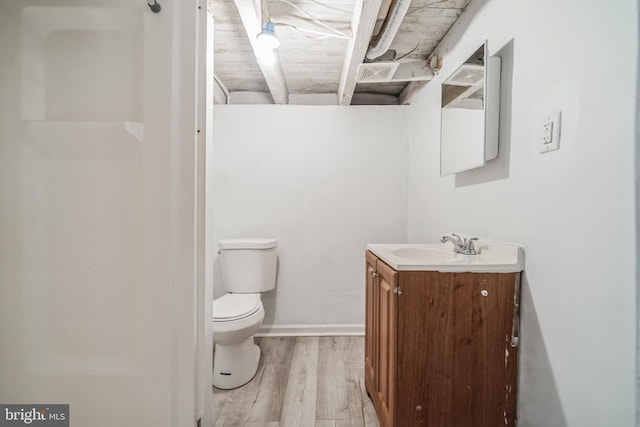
392	22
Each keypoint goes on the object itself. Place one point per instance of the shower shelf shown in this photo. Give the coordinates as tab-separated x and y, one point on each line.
87	139
135	129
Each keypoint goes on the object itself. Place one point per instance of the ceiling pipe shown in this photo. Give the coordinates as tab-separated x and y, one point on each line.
223	88
380	43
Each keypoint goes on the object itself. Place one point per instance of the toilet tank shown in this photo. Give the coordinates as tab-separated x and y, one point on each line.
248	265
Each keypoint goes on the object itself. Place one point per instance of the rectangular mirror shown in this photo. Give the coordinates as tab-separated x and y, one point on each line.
470	114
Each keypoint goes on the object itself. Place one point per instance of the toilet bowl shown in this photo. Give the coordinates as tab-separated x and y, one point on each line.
237	317
248	268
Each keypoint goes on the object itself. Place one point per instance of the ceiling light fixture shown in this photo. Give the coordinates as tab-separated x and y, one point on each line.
267	39
266	43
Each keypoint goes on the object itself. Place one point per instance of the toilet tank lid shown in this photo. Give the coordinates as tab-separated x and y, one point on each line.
255	243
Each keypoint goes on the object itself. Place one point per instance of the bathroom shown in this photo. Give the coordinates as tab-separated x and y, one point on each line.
326	181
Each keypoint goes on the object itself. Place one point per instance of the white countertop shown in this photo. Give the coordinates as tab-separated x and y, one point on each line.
492	257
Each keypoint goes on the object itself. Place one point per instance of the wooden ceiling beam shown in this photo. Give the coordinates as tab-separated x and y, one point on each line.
365	14
410	91
250	15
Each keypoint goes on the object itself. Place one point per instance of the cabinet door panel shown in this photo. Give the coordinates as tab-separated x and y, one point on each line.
485	363
387	336
371	335
425	350
456	366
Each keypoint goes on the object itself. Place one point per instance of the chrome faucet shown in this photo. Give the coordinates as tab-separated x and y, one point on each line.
460	245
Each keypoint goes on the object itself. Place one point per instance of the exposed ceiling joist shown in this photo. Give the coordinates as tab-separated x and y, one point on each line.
413	71
362	25
273	75
320	55
410	91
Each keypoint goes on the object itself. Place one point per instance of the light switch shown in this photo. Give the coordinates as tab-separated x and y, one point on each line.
549	138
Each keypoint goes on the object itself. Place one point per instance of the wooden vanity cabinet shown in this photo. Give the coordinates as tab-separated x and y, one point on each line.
380	337
439	347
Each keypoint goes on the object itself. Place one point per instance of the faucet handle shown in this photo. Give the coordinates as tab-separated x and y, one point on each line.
458	237
468	244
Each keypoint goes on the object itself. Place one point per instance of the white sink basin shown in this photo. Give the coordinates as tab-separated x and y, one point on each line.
424	254
495	257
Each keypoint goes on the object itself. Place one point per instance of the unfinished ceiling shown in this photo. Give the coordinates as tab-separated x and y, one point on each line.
322	46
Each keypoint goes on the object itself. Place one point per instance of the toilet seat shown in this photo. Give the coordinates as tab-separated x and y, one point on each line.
232	307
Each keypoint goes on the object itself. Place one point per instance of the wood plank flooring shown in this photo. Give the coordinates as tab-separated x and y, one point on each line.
301	382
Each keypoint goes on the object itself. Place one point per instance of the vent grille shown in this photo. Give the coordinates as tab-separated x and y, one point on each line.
376	72
467	75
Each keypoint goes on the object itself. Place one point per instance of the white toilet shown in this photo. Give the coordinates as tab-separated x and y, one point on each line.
248	268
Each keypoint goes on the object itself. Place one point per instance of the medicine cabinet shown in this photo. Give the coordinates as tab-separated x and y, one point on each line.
470	114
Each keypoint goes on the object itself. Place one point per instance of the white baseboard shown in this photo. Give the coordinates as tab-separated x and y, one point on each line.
321	330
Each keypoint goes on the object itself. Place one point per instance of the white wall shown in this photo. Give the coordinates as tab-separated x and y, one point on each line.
573	209
325	181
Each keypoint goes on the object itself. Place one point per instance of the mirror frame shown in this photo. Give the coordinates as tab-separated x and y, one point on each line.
491	117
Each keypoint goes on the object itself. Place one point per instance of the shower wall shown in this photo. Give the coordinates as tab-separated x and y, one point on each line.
97	209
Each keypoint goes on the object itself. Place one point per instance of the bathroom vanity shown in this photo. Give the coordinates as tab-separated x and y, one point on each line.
441	334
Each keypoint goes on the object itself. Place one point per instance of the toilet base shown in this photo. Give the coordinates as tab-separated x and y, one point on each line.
235	364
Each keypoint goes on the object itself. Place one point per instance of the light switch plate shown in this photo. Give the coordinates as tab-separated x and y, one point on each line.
549	138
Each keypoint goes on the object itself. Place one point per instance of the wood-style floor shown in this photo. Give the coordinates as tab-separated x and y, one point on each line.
301	382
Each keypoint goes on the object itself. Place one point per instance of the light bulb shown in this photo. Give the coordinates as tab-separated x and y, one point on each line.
266	56
267	38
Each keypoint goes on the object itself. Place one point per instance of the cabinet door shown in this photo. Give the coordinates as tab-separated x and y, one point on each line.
386	373
456	366
371	341
486	364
